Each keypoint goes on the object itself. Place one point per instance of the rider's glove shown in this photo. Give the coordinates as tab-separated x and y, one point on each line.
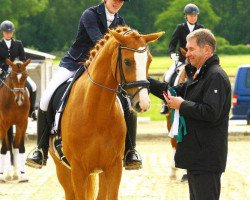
173	56
1	70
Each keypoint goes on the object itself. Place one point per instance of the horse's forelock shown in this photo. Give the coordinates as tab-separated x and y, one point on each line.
18	62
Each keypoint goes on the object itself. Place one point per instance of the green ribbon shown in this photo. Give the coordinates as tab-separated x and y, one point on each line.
182	129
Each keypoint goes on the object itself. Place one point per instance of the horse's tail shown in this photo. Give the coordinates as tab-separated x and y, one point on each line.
92	186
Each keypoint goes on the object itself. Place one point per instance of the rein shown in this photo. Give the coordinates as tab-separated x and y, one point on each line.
15	89
123	85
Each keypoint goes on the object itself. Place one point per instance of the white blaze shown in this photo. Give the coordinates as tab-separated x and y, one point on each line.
141	65
19	76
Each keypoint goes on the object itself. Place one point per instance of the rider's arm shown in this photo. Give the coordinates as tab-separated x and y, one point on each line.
174	40
89	21
21	53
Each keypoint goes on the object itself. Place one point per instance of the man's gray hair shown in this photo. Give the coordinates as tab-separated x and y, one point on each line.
203	37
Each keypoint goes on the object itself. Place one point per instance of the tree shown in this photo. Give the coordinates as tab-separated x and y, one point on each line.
234	24
13	9
56	27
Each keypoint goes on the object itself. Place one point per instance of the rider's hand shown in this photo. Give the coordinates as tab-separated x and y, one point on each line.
1	70
173	56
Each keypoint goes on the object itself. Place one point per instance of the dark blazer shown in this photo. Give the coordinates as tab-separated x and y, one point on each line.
206	112
91	28
179	37
16	51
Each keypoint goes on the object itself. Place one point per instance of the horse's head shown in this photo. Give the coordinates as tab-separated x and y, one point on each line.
18	76
130	64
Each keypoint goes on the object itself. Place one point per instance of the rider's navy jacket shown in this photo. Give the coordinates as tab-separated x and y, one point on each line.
179	36
16	50
91	28
206	112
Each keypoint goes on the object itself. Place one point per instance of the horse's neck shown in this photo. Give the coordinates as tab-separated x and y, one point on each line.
100	71
6	88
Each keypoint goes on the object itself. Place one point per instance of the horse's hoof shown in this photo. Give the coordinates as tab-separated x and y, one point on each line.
15	177
8	176
25	180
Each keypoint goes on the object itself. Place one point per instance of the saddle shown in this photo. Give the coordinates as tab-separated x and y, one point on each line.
55	111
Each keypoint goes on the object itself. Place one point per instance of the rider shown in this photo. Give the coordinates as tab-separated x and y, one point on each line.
191	12
94	23
13	49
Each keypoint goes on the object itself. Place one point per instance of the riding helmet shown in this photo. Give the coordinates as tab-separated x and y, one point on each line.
7	26
191	9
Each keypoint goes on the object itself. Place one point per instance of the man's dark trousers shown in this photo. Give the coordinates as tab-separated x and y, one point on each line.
204	185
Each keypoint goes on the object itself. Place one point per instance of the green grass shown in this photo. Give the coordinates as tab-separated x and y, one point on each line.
159	65
229	63
153	112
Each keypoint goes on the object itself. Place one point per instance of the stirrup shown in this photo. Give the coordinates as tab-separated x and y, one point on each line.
29	162
134	165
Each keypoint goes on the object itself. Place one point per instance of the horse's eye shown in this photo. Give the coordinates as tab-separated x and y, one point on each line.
127	62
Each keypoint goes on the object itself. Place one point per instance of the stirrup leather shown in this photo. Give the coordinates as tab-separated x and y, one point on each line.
57	147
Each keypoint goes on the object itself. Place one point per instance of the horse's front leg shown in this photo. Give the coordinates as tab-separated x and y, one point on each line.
80	181
5	157
113	178
19	154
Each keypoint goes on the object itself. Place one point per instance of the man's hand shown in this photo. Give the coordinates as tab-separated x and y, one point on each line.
174	102
1	71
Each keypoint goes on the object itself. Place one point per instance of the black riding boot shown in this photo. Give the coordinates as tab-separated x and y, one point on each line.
132	159
32	113
40	155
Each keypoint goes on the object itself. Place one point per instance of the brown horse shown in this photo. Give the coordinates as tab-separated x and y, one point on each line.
180	78
93	127
14	110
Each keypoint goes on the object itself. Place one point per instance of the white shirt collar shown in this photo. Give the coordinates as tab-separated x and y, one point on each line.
8	43
110	17
190	26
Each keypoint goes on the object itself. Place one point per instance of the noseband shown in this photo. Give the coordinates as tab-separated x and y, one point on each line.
14	89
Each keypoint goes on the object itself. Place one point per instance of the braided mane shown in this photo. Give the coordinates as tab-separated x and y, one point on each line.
93	52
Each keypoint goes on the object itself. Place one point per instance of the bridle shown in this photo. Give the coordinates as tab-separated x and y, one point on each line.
14	89
124	85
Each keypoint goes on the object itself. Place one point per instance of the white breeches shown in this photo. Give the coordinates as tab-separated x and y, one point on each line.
32	84
62	75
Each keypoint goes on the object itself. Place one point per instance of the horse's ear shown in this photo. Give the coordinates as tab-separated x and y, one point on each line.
8	62
153	36
27	62
119	37
183	52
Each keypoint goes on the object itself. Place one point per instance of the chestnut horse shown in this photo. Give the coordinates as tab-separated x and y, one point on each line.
14	110
93	128
180	78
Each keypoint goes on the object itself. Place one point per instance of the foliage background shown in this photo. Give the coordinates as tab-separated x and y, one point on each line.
50	25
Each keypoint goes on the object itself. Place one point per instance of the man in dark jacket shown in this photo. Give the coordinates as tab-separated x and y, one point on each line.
93	25
204	102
